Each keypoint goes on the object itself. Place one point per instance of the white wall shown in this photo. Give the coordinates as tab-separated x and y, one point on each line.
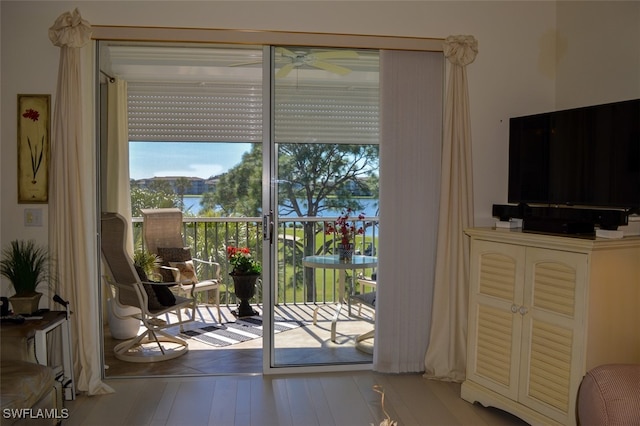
599	57
514	73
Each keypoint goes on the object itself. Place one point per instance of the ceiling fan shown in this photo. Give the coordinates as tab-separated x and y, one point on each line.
300	58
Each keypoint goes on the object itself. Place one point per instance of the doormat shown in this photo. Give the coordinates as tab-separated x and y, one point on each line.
241	330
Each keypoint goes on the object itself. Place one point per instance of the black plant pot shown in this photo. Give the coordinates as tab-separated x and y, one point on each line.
245	289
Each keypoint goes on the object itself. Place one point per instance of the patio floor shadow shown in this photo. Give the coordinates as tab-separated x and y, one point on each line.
306	345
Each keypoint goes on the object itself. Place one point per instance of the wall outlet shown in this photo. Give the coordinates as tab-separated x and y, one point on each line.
32	217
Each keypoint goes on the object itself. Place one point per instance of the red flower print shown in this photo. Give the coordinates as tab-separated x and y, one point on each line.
37	151
31	114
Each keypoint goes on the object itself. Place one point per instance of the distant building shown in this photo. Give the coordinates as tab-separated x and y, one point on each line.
211	184
197	186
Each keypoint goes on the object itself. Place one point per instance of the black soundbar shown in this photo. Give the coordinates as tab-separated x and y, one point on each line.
557	226
506	212
563	220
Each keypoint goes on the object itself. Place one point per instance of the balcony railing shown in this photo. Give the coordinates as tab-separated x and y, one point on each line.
296	238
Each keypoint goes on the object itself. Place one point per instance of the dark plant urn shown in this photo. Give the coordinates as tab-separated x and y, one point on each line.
245	289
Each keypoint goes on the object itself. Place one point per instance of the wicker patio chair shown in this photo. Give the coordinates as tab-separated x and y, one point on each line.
162	234
154	343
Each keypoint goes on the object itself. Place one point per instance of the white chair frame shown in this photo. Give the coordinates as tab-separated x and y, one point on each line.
130	291
163	228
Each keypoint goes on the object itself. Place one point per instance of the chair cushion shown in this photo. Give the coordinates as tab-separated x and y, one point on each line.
185	271
165	295
159	296
172	254
153	303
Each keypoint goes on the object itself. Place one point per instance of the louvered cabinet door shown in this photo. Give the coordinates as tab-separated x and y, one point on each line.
553	332
543	310
497	279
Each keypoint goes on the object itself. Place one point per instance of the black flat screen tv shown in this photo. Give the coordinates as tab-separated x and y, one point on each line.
583	157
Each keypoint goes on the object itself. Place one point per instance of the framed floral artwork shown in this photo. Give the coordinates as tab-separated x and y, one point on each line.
33	148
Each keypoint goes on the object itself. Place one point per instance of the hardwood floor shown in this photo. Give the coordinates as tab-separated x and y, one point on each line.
224	386
341	399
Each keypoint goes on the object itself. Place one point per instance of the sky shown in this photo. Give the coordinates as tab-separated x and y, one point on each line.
189	159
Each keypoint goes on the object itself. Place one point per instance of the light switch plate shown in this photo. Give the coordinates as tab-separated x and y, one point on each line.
32	217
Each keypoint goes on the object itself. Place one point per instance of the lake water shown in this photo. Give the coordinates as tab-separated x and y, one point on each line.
370	207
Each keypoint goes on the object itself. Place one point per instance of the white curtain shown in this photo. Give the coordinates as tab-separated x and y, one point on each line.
446	355
118	197
72	223
410	151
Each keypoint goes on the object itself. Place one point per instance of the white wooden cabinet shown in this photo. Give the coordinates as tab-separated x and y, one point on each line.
542	311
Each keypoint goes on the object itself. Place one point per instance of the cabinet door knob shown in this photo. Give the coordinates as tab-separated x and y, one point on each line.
514	308
523	310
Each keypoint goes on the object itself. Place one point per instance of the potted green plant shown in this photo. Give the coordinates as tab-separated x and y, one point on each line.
124	322
26	265
148	262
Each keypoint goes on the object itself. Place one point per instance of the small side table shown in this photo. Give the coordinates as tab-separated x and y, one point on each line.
333	262
37	329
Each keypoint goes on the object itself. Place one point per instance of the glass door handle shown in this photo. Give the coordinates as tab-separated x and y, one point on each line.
267	227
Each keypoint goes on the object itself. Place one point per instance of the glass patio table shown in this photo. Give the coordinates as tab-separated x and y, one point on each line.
332	261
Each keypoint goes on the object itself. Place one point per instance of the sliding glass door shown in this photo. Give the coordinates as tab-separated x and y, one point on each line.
185	130
259	147
325	145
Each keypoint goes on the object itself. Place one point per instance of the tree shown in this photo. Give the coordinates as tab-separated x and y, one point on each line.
239	191
143	198
312	178
160	186
320	177
182	185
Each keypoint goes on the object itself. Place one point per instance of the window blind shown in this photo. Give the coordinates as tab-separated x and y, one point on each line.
327	115
233	113
188	113
411	156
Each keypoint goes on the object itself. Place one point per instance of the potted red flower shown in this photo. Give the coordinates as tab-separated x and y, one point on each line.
245	272
242	261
